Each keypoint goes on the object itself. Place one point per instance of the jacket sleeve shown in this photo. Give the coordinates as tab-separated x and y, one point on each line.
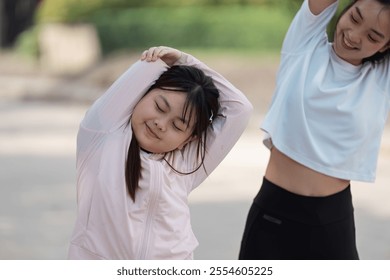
113	109
227	128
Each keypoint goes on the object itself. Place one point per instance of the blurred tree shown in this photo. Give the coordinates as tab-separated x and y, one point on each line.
290	5
212	23
15	17
294	5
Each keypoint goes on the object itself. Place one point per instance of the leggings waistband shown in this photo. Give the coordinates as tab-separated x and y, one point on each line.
305	209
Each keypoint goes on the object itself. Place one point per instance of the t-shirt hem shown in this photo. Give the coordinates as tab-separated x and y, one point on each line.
345	175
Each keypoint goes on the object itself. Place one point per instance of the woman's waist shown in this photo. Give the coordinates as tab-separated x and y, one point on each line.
299	179
281	204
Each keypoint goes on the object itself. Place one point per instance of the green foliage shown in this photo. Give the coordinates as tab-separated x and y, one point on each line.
76	10
211	24
66	10
27	43
291	6
226	27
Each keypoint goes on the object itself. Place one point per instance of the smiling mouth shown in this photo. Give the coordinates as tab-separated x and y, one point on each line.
347	44
150	132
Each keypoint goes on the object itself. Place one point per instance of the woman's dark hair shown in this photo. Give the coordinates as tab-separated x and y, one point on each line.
201	103
379	56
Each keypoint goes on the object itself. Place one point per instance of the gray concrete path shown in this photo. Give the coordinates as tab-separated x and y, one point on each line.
38	129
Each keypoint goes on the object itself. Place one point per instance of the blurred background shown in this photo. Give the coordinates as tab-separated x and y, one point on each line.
57	56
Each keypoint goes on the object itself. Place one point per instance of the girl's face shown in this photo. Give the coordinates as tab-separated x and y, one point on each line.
362	31
158	124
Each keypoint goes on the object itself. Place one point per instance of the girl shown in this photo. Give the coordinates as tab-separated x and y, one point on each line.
142	147
324	129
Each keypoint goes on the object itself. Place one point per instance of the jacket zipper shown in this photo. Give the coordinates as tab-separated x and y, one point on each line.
155	189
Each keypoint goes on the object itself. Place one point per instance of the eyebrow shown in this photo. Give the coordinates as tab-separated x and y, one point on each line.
359	12
169	108
373	30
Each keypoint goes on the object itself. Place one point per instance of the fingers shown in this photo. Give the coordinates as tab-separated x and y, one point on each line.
166	54
154	53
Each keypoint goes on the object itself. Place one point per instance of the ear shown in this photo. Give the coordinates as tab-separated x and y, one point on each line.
182	145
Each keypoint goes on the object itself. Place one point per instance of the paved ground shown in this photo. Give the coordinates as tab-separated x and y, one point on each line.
39	116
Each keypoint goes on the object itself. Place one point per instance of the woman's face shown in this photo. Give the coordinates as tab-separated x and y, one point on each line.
362	31
158	123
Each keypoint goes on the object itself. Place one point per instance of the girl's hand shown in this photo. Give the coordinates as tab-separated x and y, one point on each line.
167	54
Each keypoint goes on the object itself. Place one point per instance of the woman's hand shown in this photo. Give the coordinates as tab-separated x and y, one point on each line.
167	54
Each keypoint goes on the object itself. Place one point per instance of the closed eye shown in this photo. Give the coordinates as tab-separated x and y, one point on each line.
159	108
179	125
353	19
176	127
372	39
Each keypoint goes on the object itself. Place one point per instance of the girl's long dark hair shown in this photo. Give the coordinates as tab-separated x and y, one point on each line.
133	167
379	56
201	103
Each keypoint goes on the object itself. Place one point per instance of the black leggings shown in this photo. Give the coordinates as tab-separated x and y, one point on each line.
285	226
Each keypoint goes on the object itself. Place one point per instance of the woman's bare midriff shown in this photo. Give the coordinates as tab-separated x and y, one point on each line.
296	178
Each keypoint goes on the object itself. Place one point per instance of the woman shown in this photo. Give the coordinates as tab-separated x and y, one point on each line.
323	129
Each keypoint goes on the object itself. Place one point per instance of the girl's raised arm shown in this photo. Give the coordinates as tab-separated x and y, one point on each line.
317	6
114	107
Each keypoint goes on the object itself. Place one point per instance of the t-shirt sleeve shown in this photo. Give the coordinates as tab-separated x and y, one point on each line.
305	27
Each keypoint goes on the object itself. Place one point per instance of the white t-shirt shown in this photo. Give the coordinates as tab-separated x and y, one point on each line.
326	113
157	225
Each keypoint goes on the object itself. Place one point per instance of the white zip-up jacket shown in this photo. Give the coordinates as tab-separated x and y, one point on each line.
157	225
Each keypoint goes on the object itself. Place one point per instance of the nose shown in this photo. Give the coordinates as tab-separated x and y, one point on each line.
354	37
160	124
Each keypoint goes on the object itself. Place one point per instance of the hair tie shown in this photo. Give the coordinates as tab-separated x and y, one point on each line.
211	117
